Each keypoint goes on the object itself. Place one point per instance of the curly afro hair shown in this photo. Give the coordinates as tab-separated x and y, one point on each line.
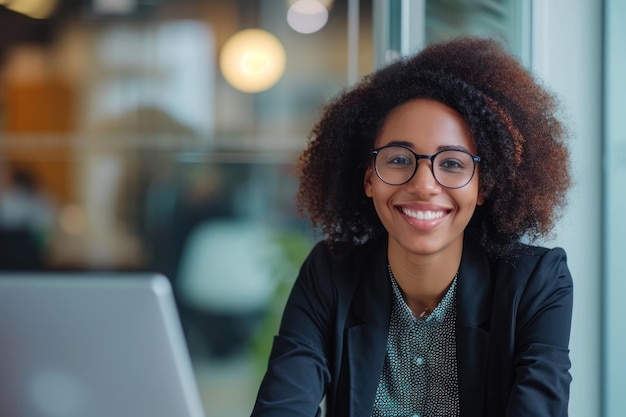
524	168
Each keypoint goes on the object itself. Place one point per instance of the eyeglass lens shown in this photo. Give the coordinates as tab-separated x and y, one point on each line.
396	165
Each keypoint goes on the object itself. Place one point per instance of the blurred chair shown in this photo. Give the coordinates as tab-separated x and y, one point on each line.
225	282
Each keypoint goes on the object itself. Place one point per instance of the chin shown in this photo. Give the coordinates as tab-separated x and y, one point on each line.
429	246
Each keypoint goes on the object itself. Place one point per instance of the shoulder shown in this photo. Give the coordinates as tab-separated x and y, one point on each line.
343	266
527	260
514	267
345	257
328	280
533	270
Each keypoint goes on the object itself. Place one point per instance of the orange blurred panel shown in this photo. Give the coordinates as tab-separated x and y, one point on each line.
43	111
39	107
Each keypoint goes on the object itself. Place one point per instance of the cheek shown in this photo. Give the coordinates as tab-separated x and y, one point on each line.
480	197
475	198
467	198
473	192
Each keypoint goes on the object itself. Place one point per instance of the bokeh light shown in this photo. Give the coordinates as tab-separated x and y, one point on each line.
326	3
252	60
307	16
38	9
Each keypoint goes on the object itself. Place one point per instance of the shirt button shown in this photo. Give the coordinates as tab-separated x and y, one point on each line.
419	361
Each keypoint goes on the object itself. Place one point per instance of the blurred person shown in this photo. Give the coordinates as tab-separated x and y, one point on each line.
27	217
423	300
160	195
200	198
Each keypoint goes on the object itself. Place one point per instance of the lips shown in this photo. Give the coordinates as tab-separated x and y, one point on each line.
423	214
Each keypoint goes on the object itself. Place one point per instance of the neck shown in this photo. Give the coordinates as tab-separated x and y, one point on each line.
424	280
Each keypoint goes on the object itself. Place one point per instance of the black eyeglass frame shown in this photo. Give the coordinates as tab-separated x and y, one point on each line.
475	159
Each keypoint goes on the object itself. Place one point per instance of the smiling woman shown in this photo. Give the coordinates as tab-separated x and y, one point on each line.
421	215
423	300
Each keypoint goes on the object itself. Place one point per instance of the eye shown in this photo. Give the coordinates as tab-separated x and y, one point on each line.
400	160
451	164
395	157
454	161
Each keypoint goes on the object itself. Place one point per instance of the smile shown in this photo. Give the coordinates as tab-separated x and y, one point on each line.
423	215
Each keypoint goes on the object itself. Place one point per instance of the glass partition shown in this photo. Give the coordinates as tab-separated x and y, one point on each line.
615	203
129	142
404	26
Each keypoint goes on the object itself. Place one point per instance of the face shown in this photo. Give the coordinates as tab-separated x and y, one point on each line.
421	216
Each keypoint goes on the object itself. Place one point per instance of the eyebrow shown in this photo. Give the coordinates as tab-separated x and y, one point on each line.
410	145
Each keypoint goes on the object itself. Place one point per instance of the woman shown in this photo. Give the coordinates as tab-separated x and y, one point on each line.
422	300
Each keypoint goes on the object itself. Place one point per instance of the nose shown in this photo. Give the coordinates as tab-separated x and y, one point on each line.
424	182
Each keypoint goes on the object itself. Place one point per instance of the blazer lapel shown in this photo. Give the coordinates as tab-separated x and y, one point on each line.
368	328
474	295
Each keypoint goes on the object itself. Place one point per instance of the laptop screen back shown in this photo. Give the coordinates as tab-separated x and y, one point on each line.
93	344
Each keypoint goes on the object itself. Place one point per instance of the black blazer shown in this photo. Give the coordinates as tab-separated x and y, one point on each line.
513	326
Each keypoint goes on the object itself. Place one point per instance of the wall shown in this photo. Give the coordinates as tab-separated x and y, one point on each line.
615	225
567	54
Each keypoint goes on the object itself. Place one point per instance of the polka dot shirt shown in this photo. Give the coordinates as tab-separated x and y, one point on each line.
419	377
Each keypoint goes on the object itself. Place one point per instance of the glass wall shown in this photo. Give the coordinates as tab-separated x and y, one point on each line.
403	27
615	203
130	142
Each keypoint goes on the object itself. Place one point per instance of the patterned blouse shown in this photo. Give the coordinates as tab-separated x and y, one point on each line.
419	377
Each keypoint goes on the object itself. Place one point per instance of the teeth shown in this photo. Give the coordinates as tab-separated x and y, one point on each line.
423	215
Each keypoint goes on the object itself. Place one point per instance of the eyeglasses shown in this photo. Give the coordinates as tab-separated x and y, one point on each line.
396	165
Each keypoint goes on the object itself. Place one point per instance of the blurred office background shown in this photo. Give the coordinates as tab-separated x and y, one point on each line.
130	141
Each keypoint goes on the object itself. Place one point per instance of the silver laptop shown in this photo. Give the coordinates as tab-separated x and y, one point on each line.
93	345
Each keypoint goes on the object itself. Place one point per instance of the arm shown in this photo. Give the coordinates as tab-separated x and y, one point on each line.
542	378
298	368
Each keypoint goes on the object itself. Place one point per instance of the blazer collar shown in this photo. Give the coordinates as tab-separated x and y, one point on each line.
368	327
372	299
474	286
474	295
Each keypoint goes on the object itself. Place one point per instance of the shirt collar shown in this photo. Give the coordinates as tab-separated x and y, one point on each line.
439	313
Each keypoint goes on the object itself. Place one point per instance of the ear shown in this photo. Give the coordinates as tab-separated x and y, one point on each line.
481	198
367	181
